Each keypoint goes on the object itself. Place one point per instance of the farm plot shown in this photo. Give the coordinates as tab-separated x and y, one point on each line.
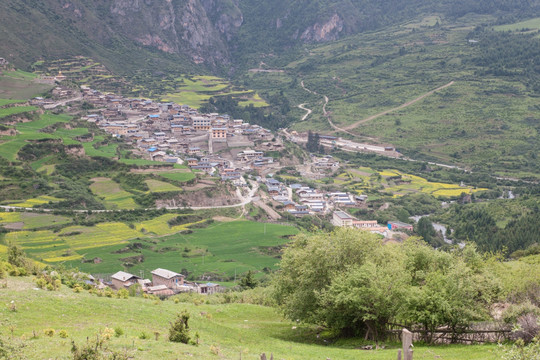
30	131
112	194
40	200
108	151
104	234
39	245
19	220
44	121
4	102
141	162
69	244
398	183
16	110
219	249
415	184
160	226
197	90
161	186
178	176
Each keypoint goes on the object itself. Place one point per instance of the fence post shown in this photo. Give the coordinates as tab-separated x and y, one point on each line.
406	339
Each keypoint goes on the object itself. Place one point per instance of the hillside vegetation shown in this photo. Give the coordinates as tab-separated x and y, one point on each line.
380	89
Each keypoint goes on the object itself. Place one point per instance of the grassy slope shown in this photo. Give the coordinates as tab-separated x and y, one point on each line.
478	121
232	329
19	85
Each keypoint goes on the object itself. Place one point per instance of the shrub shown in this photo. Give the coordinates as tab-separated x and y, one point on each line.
214	349
520	351
179	331
144	336
49	332
122	294
63	334
118	331
107	333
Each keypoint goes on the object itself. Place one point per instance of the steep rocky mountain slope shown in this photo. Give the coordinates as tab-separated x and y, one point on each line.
126	33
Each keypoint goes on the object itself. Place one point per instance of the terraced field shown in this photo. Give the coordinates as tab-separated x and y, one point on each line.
197	90
112	194
178	176
44	199
19	220
398	183
11	145
159	226
160	186
4	102
72	242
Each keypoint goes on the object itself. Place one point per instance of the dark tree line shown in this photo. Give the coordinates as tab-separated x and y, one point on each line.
273	119
508	54
313	144
478	225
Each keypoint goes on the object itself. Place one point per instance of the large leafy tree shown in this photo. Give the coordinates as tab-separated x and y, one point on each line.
349	281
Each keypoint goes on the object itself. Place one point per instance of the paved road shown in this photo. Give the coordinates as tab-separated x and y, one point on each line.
62	103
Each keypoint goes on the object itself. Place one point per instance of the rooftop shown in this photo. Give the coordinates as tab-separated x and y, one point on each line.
123	276
343	215
167	274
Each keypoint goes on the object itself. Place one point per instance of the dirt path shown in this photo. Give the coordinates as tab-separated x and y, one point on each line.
325	113
269	211
402	106
309	111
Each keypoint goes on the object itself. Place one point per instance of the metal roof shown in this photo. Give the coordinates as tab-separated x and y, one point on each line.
167	274
123	276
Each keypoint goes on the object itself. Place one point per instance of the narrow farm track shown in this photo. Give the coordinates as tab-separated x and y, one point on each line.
309	111
325	113
402	106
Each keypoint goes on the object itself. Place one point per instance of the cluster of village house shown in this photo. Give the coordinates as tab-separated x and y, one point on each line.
314	201
172	133
165	131
164	283
309	200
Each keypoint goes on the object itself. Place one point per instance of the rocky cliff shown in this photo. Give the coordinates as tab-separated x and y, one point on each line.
135	33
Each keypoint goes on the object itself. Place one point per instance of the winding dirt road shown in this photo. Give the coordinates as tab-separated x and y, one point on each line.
402	106
308	111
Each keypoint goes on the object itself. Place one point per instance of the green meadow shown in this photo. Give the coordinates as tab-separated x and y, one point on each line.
227	331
